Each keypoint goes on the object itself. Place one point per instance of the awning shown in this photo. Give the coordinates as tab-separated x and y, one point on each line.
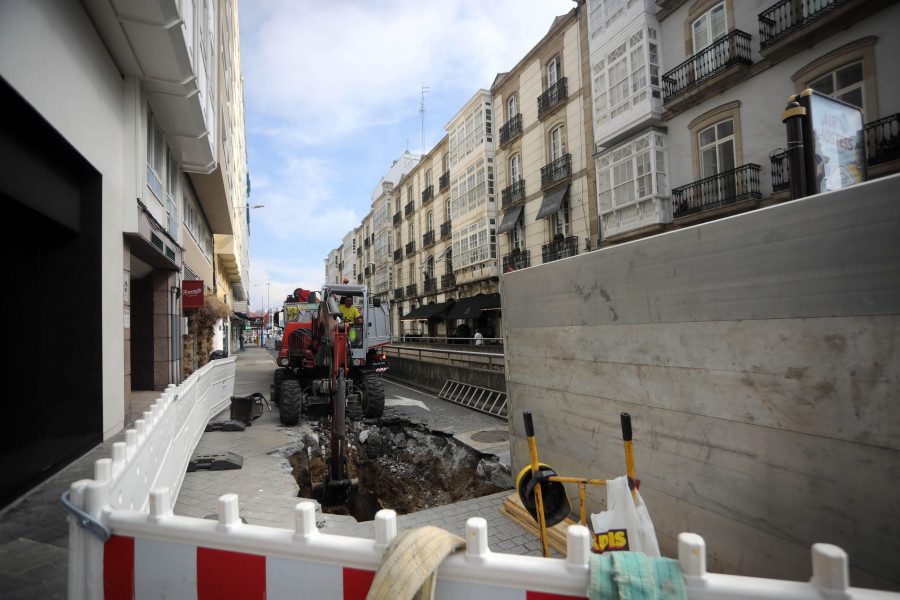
470	308
552	201
429	311
509	219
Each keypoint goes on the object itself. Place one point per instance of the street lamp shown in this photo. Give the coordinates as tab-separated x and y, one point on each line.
247	206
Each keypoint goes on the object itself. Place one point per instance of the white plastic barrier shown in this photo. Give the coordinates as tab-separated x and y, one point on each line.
160	555
156	452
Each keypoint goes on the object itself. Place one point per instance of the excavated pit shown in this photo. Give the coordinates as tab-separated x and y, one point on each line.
400	465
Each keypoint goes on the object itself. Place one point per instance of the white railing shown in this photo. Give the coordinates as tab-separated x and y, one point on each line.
161	555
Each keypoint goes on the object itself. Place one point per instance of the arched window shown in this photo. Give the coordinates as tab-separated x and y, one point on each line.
557	142
553	68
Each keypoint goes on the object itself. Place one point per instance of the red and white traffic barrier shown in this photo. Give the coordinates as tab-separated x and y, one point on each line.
160	555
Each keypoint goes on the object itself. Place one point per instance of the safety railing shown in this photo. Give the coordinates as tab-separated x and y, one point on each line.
161	555
511	129
513	194
728	187
787	16
732	49
883	139
492	361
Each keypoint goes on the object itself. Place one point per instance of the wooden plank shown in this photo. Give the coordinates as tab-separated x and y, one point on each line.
556	536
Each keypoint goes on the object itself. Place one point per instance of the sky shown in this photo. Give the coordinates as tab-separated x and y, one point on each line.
333	94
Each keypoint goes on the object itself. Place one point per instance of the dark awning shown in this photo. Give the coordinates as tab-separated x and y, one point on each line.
470	308
509	219
429	311
552	201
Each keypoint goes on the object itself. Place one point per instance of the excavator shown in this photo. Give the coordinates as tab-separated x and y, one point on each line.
324	361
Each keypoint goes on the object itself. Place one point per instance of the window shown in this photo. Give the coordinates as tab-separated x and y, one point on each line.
475	243
410	199
468	134
716	145
711	26
156	156
626	75
412	232
512	107
552	72
716	141
557	142
447	210
561	221
517	236
628	177
515	169
470	189
845	83
429	221
428	178
412	272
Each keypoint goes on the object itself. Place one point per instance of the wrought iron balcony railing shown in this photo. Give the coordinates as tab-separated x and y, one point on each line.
411	289
410	248
517	260
430	285
512	128
444	181
787	16
448	281
781	170
446	229
398	293
408	209
883	139
558	170
558	249
554	95
398	217
398	255
730	187
730	50
428	239
427	194
513	194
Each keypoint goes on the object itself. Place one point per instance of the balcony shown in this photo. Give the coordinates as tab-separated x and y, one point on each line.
448	281
728	188
428	239
398	217
430	285
553	98
559	169
408	209
513	195
781	170
446	230
398	293
359	250
411	289
410	248
704	74
427	195
511	130
359	278
789	26
517	260
558	249
883	140
366	243
444	181
369	272
398	255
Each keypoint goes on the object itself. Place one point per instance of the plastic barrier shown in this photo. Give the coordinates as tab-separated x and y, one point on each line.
160	555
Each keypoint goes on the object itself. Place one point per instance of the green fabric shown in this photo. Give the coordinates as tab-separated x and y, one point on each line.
634	576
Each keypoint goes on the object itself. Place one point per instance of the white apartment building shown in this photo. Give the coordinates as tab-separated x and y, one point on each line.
112	108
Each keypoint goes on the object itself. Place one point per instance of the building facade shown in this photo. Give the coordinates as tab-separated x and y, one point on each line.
116	113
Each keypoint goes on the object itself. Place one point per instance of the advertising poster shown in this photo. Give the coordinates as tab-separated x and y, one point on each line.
838	145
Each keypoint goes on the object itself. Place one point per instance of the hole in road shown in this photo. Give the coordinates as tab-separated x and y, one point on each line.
400	465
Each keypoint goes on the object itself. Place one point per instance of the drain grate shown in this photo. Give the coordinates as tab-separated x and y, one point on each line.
486	437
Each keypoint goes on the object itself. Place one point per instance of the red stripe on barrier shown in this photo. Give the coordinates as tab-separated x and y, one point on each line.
223	574
357	583
548	596
118	568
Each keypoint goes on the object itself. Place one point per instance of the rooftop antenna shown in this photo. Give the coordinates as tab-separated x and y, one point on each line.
422	112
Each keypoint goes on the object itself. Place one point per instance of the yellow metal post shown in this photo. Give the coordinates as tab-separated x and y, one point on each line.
629	452
539	502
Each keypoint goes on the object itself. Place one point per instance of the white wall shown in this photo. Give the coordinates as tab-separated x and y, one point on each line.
50	53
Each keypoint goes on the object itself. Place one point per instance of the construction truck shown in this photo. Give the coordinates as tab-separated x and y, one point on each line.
315	339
